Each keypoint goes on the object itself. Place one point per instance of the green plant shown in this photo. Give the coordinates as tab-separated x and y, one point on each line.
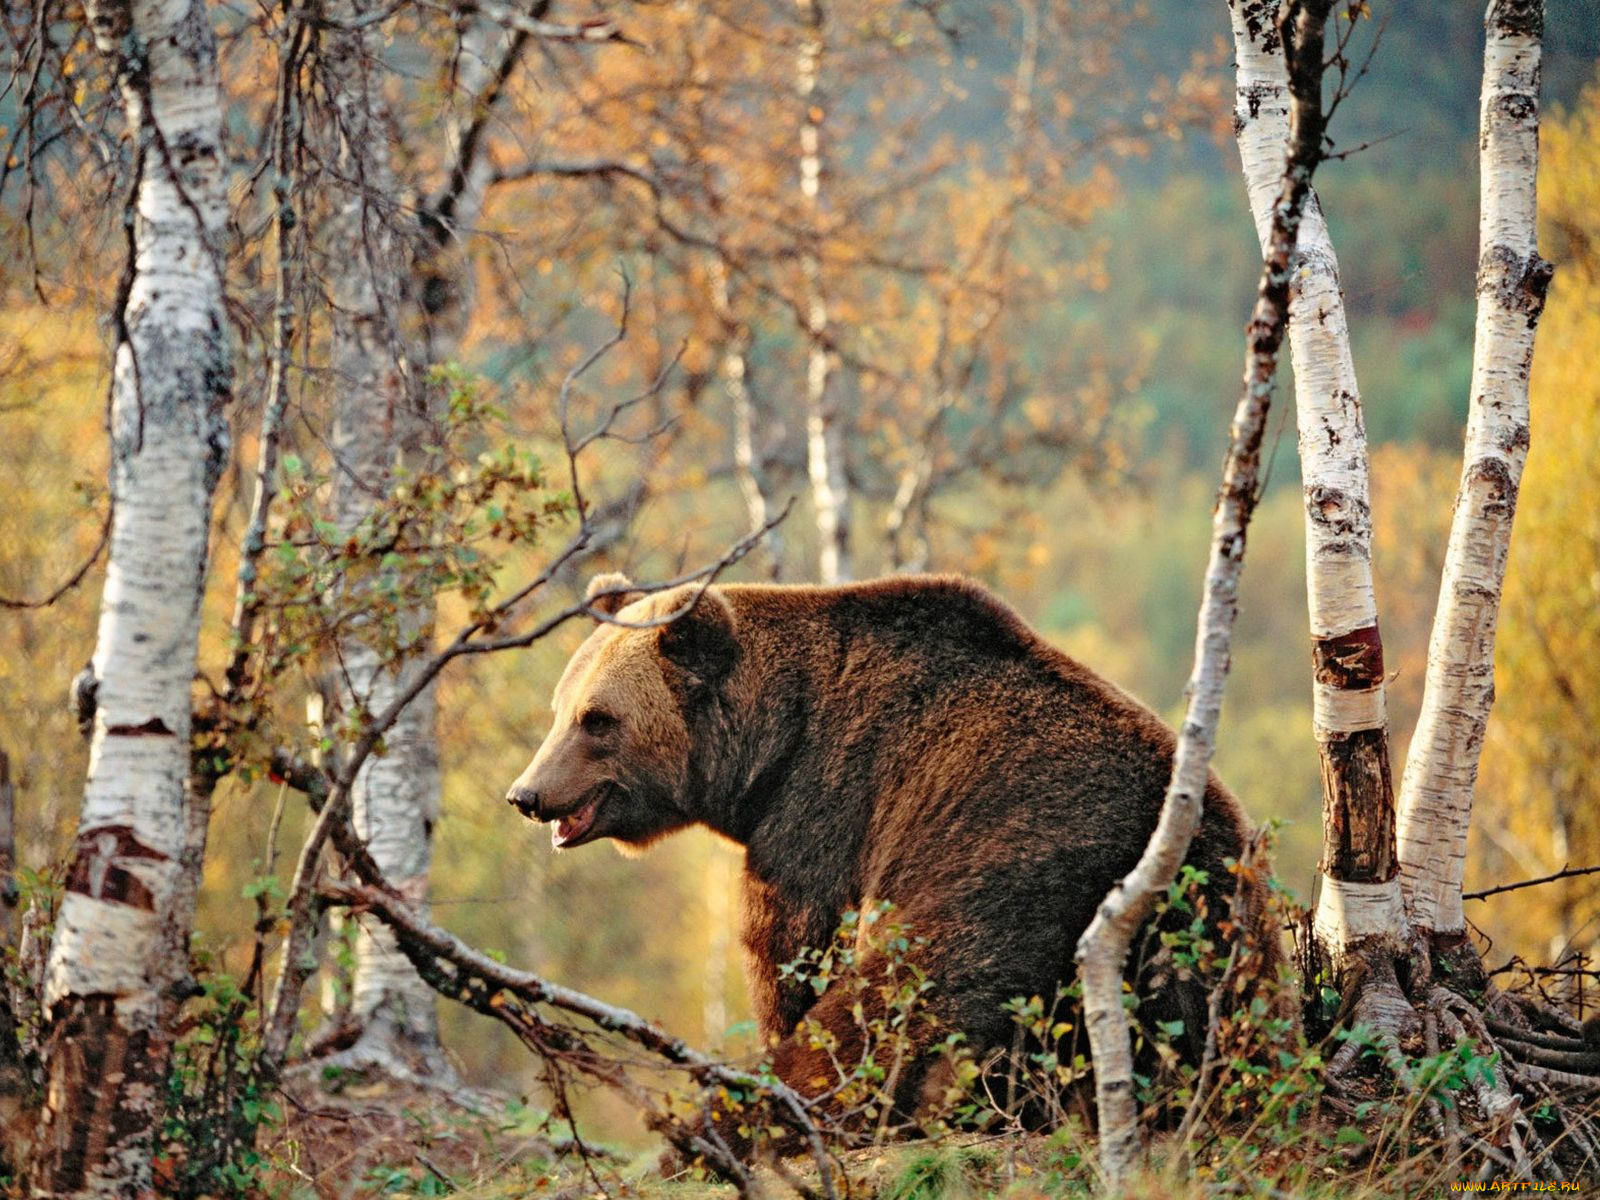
216	1102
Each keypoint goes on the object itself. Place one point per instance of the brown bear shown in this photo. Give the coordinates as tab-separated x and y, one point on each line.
908	741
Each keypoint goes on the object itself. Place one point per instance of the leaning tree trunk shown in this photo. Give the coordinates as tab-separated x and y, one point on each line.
1359	912
377	398
111	968
829	495
1103	950
1442	769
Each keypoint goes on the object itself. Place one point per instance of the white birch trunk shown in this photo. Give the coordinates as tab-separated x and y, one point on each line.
736	384
111	969
1442	769
395	799
1359	896
830	499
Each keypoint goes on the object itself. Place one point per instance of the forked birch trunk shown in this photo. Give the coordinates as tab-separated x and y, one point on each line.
1442	769
111	968
1360	894
395	799
830	499
1103	950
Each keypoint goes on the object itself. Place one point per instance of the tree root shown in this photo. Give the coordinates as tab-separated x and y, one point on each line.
1533	1037
1530	1108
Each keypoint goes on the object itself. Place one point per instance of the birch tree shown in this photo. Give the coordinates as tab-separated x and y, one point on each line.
1359	904
830	499
405	276
1103	950
111	969
378	415
735	370
1441	771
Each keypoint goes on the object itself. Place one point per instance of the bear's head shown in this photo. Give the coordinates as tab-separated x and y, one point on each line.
635	724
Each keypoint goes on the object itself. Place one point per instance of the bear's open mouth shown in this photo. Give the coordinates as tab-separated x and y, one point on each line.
572	829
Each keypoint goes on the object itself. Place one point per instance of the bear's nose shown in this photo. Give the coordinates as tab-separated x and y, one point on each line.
524	800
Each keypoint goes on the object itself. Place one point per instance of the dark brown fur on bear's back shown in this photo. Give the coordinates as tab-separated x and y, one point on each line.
913	741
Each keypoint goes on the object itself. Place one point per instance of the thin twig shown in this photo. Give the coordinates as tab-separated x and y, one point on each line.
1564	873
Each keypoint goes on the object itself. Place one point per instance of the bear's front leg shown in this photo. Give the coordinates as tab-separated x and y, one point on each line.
859	1059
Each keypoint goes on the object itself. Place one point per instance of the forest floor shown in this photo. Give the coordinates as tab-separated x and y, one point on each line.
363	1146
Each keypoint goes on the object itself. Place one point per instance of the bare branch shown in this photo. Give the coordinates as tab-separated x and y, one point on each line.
578	168
286	145
1564	873
72	580
594	31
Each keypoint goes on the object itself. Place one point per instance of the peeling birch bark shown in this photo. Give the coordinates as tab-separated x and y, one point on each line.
1359	896
111	970
1442	769
1103	950
830	498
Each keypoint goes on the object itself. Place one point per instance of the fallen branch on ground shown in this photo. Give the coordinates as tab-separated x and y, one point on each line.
511	996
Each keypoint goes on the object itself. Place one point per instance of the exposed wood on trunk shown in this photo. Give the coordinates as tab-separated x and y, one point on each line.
111	969
1442	770
1103	950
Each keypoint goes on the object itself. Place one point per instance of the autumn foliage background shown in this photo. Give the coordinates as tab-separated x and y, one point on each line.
1078	464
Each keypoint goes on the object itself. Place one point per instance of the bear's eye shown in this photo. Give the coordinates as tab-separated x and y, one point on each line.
596	723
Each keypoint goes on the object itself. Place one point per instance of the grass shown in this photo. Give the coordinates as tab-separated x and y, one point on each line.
1313	1162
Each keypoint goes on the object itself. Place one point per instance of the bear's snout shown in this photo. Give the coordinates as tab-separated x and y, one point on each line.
524	800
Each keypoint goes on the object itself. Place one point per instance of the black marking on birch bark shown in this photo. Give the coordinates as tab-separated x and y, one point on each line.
1337	511
1261	22
119	307
1515	18
1500	502
1518	283
1351	662
1514	439
1358	807
1252	97
1517	107
95	871
154	727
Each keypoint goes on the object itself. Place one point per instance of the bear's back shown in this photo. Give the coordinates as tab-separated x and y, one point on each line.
927	668
956	765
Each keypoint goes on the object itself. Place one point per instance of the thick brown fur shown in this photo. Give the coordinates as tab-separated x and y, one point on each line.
909	740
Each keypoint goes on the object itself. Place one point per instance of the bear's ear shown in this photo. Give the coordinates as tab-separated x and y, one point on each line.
702	641
610	592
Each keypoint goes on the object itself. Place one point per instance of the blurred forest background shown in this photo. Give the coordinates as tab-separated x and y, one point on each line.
1034	300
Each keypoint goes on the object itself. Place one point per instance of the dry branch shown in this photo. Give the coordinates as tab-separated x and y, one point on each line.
508	995
1564	873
